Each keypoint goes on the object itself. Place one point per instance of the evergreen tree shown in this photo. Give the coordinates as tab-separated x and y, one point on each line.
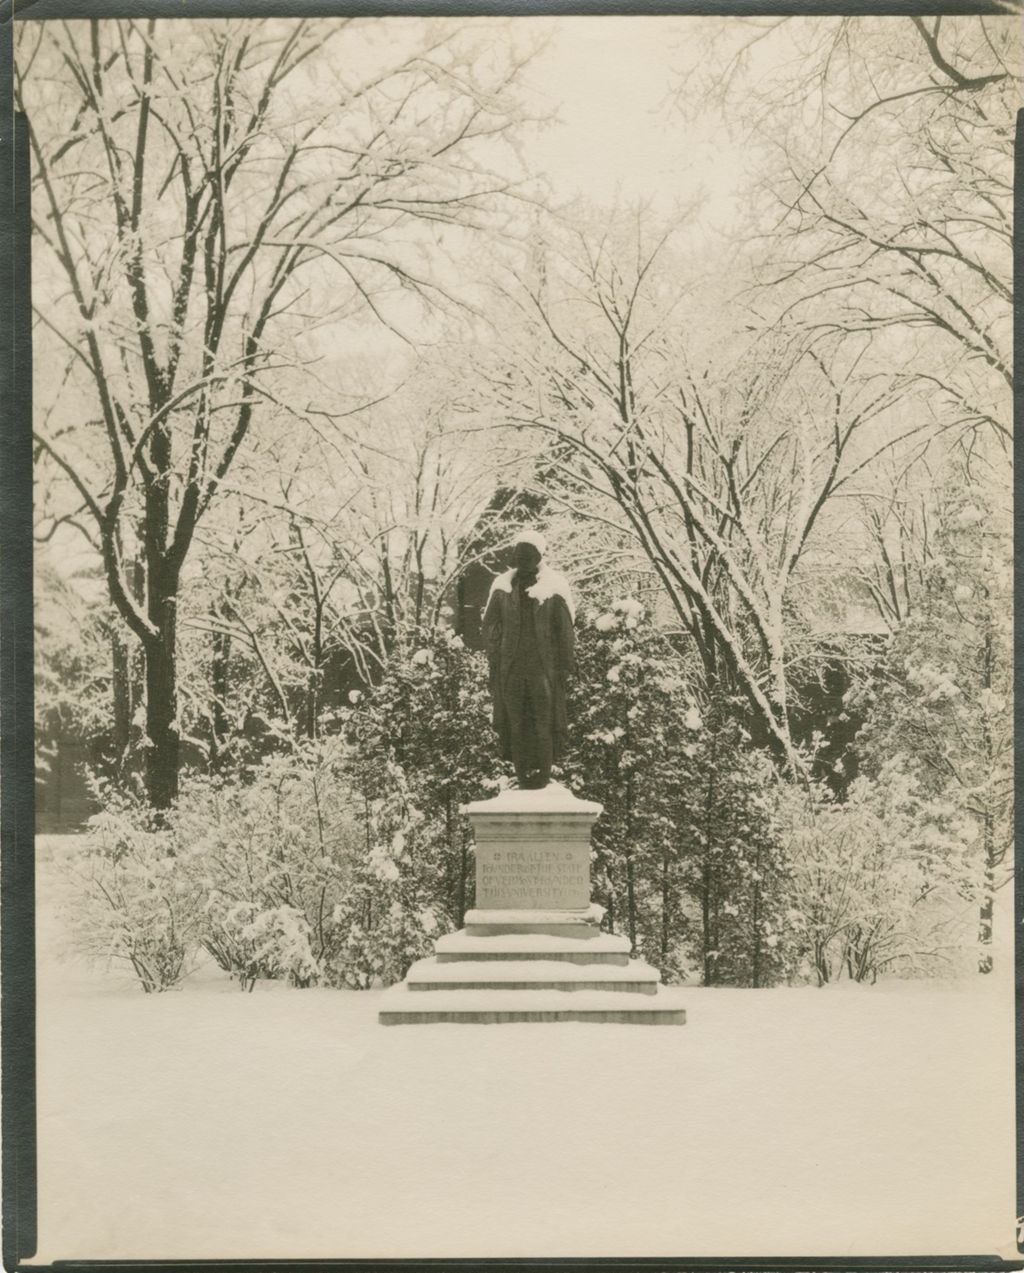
633	726
685	859
421	747
942	707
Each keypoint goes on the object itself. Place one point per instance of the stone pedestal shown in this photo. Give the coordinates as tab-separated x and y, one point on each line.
533	850
532	950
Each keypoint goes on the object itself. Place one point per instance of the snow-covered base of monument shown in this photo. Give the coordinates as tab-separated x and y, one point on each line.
533	949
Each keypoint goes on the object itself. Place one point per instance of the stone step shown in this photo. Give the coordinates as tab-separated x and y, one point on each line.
402	1006
635	977
556	923
590	915
518	926
598	948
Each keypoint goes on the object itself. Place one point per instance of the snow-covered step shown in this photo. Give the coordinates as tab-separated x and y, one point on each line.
610	948
564	923
590	915
402	1006
634	977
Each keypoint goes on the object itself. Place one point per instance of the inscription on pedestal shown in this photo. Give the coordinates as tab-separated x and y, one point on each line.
532	876
533	850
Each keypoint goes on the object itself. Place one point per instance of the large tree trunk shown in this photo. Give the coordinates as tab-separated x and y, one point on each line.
821	964
705	915
126	688
312	704
314	683
162	747
162	751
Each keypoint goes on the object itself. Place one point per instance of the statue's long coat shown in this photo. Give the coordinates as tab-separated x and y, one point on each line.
555	646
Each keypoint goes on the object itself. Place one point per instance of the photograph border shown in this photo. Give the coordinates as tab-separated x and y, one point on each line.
17	814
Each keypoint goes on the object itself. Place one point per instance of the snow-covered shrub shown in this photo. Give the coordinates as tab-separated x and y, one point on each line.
388	916
253	941
419	746
132	897
340	859
866	897
941	705
273	858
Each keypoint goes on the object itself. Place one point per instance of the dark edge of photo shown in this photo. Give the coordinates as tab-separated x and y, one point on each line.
17	902
17	811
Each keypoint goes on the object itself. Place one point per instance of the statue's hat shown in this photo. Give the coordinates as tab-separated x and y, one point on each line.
533	537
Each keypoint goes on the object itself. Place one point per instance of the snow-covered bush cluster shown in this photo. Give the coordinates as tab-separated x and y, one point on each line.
247	870
939	708
132	897
272	853
721	865
330	861
869	890
338	861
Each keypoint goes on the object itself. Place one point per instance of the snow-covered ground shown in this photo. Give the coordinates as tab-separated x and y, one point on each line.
285	1123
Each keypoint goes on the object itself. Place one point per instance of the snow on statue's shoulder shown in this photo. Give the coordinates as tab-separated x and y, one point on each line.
554	798
552	583
503	583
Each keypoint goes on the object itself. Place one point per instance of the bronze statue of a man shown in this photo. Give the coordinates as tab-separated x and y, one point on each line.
531	652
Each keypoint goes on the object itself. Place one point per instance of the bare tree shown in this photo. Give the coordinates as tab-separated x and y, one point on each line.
716	468
328	546
201	191
890	189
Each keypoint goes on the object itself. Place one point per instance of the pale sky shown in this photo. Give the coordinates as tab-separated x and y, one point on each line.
610	81
614	134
